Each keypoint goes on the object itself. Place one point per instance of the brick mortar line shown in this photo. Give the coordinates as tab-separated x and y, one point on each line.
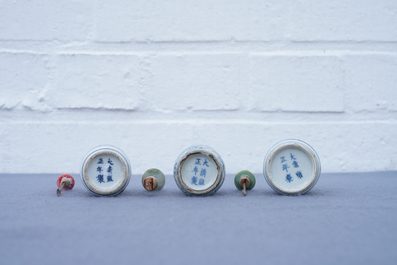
198	121
280	53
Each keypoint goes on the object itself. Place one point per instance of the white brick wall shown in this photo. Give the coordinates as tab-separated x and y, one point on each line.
154	77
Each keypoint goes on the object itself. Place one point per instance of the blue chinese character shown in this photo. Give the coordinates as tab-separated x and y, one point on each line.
201	182
110	162
100	178
110	169
285	167
299	174
100	161
194	180
99	169
195	170
206	163
288	178
292	156
197	161
295	164
203	172
283	159
110	178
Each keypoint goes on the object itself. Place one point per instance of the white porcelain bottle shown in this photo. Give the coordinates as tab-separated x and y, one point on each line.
105	171
199	170
292	167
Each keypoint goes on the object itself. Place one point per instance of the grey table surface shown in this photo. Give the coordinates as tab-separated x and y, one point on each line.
345	219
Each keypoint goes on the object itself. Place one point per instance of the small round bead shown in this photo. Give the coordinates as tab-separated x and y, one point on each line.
244	177
65	182
153	179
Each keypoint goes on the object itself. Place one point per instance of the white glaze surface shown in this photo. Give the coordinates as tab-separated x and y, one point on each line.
182	176
292	173
292	167
114	179
109	182
199	172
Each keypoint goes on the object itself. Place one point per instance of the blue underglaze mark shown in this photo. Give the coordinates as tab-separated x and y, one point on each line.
292	156
295	164
100	178
197	161
109	170
285	167
195	170
194	180
201	182
299	174
203	172
100	175
283	159
288	178
206	163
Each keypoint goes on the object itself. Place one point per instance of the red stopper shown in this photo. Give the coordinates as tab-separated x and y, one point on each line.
71	180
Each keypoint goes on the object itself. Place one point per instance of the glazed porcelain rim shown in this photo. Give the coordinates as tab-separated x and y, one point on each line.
298	145
218	168
118	187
